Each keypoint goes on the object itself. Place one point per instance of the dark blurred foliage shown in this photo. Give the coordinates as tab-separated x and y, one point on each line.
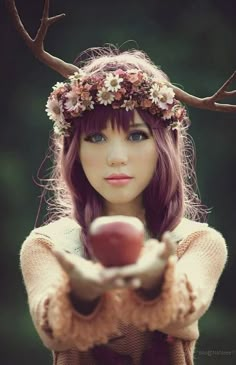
194	42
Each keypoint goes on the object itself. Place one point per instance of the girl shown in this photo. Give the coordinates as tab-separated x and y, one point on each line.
118	116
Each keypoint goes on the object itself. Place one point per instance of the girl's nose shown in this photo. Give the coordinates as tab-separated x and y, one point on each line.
117	155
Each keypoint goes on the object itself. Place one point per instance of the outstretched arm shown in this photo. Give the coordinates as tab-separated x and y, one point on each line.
58	323
187	290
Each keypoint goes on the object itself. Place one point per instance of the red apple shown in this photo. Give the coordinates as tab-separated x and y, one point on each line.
116	240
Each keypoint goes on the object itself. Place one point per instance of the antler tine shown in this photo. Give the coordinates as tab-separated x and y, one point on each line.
209	102
36	44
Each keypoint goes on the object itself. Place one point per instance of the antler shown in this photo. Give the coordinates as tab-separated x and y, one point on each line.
67	69
36	44
209	102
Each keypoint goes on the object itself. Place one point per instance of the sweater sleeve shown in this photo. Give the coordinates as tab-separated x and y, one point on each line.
58	324
190	281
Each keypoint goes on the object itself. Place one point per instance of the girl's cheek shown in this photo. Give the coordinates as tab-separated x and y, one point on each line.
89	159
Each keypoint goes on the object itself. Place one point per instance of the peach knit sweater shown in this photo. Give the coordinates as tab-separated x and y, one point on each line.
122	320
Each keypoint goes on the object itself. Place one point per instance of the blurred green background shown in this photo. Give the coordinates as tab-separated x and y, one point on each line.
194	42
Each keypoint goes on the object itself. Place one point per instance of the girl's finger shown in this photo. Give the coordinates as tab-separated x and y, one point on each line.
170	244
120	283
135	283
150	243
112	273
108	274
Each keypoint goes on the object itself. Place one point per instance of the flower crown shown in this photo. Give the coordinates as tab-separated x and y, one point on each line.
120	89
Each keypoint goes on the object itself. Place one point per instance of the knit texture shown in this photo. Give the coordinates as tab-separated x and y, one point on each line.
122	319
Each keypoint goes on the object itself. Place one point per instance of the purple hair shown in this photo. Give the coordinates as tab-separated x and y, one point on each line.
170	194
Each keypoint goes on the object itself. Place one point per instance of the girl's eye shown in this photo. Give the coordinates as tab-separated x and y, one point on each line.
95	138
138	136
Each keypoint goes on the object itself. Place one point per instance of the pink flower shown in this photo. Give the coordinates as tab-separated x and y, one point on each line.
119	72
88	87
85	95
146	103
118	95
133	78
122	90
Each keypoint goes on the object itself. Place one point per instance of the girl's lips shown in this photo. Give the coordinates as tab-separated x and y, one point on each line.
119	181
118	176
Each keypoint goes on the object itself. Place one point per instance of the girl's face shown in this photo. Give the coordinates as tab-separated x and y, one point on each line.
119	165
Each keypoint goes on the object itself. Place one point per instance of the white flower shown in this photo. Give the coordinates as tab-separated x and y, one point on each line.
166	96
105	97
145	76
128	105
154	93
168	114
61	128
54	110
77	75
56	129
73	102
176	126
112	82
88	103
58	85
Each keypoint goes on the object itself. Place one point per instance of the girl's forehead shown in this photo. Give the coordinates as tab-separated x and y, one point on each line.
137	119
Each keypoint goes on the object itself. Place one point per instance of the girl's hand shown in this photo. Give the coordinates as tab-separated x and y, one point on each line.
88	280
147	272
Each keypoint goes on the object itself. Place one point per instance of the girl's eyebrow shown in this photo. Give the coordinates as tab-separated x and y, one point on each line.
138	125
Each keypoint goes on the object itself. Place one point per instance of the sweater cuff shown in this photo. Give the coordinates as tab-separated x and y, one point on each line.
174	303
61	320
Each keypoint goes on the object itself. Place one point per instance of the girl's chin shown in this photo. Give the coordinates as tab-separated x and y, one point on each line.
118	199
